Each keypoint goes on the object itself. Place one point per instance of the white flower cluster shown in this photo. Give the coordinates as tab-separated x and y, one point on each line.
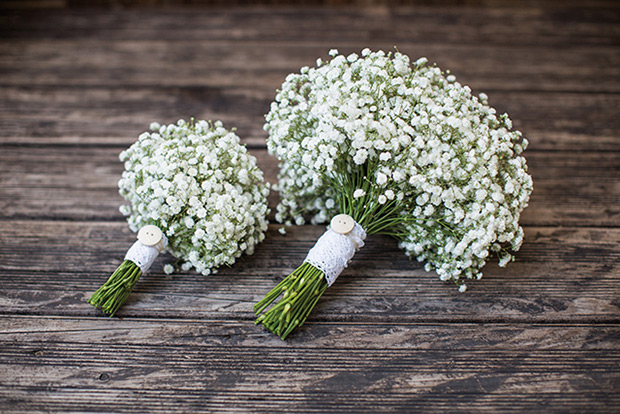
197	183
442	157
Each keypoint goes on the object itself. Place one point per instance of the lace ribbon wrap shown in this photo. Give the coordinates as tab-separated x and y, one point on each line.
333	251
144	255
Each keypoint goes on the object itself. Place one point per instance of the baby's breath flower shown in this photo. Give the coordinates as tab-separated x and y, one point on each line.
409	134
201	187
381	179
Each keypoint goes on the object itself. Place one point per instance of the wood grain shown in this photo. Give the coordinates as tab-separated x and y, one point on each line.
376	287
537	25
190	63
115	115
395	367
78	85
80	183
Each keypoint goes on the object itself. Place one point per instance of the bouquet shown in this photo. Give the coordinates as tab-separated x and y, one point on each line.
381	145
194	190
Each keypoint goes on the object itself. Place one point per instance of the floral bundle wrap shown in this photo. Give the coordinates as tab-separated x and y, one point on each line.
401	149
193	190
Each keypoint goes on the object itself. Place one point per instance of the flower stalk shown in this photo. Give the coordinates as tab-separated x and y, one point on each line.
115	291
299	291
404	150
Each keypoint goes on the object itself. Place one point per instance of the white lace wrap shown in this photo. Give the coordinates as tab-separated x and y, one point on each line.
333	251
144	255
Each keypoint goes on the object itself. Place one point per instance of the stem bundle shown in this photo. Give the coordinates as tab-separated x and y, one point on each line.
111	296
300	292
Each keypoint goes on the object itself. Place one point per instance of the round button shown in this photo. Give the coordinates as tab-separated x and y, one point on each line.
342	223
150	235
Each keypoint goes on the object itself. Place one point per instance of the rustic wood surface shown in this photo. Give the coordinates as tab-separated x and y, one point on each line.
77	86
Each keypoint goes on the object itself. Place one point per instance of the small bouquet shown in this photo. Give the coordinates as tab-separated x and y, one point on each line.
194	190
383	146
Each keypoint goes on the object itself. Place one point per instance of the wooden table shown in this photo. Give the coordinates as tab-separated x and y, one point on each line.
77	86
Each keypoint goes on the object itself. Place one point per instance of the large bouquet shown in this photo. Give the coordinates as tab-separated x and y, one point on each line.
383	146
194	189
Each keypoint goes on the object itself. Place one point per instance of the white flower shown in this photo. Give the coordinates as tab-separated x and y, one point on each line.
201	187
352	57
168	269
505	259
429	210
385	156
189	222
381	179
360	156
416	136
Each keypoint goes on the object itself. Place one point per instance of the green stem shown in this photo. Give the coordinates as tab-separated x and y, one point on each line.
300	292
115	291
294	298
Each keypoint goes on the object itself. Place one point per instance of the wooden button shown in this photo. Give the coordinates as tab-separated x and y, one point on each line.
342	223
150	235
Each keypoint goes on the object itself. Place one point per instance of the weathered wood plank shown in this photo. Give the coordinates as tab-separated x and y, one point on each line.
554	121
80	183
541	335
231	366
375	4
561	274
73	183
107	112
491	49
45	399
528	26
252	63
393	336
